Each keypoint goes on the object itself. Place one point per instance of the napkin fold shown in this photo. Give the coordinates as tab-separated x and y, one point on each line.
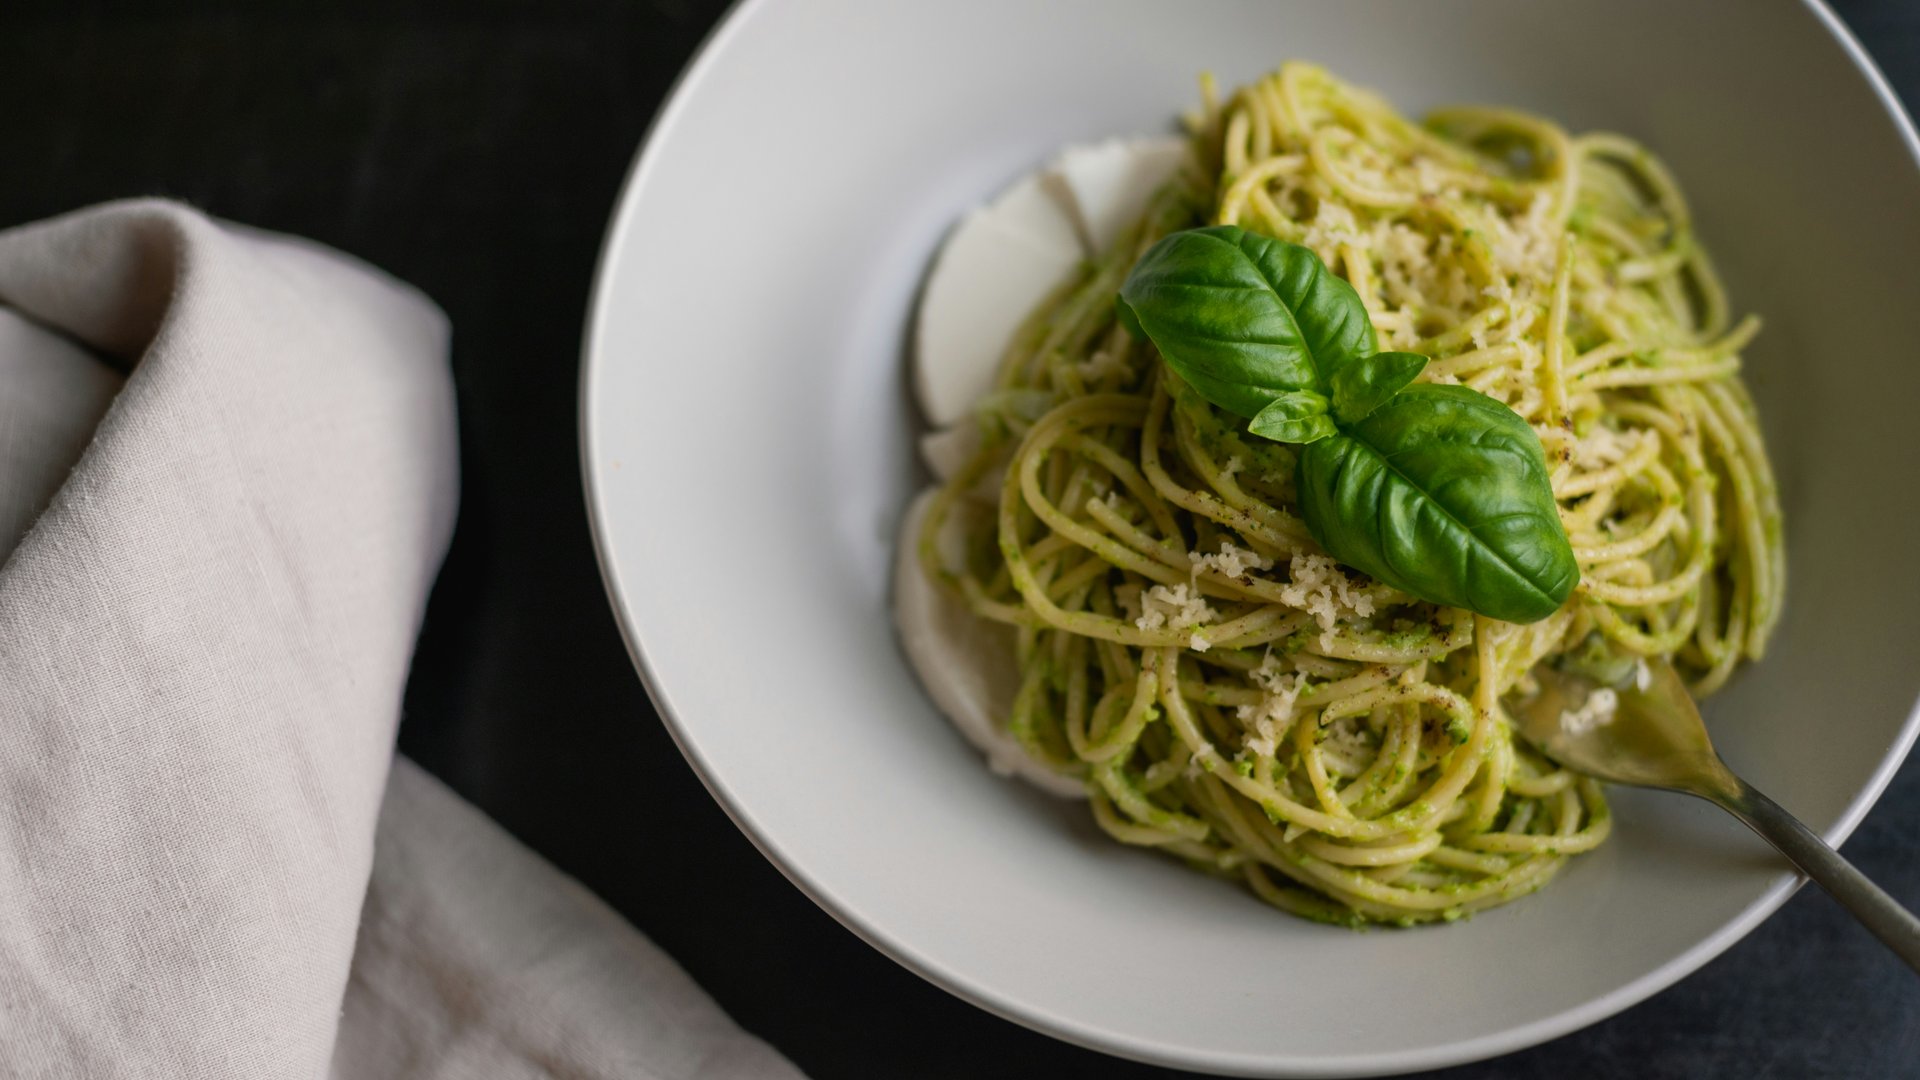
227	478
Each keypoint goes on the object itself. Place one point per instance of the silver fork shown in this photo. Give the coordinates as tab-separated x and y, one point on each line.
1656	739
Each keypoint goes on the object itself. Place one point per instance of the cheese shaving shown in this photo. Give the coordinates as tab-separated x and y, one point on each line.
1320	588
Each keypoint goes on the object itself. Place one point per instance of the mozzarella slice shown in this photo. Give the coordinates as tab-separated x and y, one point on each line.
1003	258
947	450
1108	183
965	662
997	265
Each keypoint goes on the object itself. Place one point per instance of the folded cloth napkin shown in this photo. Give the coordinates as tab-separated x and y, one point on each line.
227	478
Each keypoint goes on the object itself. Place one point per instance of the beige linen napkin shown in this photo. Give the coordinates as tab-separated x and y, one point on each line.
227	477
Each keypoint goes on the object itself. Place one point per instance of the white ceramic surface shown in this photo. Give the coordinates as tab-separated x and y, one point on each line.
747	442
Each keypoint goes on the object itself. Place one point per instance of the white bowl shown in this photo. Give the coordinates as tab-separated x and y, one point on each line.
746	442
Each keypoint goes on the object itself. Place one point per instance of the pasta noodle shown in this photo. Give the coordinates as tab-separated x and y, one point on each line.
1229	694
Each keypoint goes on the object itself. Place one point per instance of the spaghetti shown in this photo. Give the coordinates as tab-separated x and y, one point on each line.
1230	695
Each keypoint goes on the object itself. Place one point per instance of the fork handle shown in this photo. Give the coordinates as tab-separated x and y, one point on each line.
1869	903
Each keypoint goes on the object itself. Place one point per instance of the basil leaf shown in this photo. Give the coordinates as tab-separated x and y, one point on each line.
1443	492
1438	490
1364	384
1297	416
1242	317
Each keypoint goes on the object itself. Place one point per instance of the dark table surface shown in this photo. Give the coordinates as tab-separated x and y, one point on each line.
474	148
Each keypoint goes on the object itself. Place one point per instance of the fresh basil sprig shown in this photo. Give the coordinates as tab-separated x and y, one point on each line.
1439	491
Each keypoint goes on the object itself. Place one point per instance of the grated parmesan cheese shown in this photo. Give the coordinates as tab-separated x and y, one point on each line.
1175	607
1269	719
1596	711
1603	446
1320	588
1527	246
1430	179
1101	364
1333	224
1232	561
1347	739
1421	272
1199	762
